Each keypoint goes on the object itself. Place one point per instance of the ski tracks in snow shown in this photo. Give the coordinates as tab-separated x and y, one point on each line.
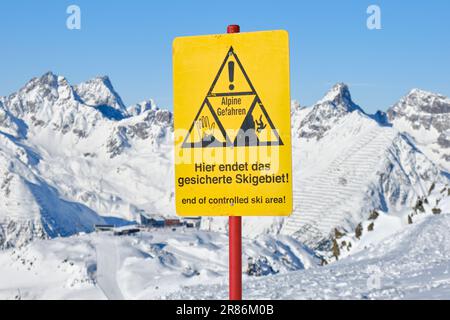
334	189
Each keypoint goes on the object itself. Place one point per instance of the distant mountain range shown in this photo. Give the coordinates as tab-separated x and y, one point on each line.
73	156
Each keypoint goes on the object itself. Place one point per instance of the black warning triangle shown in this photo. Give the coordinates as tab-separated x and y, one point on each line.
232	113
206	130
231	79
257	129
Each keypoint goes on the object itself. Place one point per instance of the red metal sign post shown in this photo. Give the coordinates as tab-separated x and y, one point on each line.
235	238
235	243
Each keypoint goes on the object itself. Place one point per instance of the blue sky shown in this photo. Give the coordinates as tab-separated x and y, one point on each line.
131	42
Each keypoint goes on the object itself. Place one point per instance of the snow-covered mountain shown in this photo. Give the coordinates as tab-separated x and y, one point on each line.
366	187
425	117
350	164
62	159
72	156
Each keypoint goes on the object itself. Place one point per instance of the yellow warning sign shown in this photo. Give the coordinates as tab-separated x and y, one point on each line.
232	125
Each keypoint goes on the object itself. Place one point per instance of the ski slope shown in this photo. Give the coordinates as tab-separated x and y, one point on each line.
149	265
412	264
106	250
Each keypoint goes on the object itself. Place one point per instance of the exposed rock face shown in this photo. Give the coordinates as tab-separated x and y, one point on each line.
425	116
423	110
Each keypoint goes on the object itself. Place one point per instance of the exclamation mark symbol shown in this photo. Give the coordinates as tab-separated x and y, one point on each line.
231	74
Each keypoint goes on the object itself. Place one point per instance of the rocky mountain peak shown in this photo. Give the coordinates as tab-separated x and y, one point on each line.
99	92
339	96
37	93
418	100
420	104
335	105
48	78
